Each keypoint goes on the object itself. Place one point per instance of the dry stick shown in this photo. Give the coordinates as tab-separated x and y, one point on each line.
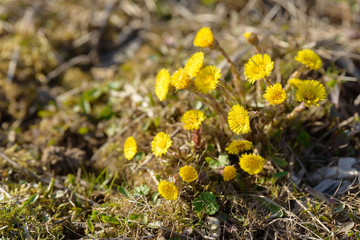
13	64
148	159
17	166
234	69
307	210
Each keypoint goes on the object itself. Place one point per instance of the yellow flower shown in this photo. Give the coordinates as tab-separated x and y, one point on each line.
162	84
194	64
229	173
294	82
252	164
207	79
188	173
168	190
130	148
309	58
237	146
251	38
160	144
310	92
275	94
180	79
193	119
238	119
258	67
204	38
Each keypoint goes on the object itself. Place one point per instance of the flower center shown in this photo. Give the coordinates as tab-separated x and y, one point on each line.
162	144
309	96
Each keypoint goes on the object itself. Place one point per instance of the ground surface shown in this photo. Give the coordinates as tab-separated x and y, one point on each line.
77	78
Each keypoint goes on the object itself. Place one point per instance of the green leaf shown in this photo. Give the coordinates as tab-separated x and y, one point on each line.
111	220
105	113
142	190
206	202
90	225
124	191
222	161
274	208
30	200
280	174
340	208
279	161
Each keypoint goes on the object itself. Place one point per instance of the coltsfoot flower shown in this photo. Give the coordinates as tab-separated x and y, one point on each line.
204	38
309	58
237	146
194	64
252	164
192	119
239	120
251	38
180	79
160	144
294	82
275	94
310	92
188	173
130	148
162	84
258	67
168	190
229	173
207	79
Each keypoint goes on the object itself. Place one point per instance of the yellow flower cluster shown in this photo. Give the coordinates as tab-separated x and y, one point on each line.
309	58
160	144
188	173
207	79
239	120
204	38
258	67
180	79
237	146
250	163
275	94
229	173
168	190
192	119
162	84
310	92
194	64
130	148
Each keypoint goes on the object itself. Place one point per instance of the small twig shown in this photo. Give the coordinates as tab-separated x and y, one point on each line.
13	64
81	59
178	234
6	193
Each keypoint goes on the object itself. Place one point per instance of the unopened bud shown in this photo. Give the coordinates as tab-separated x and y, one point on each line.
251	38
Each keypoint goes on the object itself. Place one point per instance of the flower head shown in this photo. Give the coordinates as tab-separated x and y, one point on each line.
160	144
229	173
180	79
237	146
168	190
294	82
238	119
204	38
207	79
194	64
130	148
251	38
193	119
310	92
252	164
258	67
275	94
162	84
309	58
188	173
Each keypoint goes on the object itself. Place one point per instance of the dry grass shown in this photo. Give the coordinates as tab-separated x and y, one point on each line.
77	79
